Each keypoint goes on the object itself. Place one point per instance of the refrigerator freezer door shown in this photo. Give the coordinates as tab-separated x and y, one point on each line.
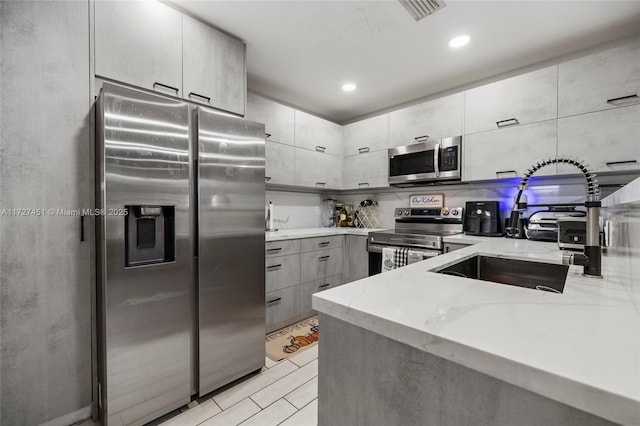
231	248
144	310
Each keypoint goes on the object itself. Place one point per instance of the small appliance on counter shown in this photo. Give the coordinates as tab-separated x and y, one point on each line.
543	225
572	232
482	218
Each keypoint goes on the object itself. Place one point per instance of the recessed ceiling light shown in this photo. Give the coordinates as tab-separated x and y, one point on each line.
348	87
459	41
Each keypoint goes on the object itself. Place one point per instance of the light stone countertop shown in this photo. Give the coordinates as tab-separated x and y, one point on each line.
581	348
290	234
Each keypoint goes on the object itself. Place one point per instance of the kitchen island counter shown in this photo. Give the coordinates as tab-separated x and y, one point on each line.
580	348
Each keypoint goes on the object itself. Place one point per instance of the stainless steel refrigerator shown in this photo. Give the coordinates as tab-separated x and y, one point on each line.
180	252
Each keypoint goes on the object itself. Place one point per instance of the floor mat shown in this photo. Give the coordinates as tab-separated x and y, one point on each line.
292	339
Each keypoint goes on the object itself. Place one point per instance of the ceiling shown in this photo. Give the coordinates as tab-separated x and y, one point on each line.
301	52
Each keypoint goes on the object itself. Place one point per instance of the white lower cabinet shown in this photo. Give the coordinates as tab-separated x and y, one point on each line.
509	152
282	305
607	141
291	279
279	163
370	170
317	170
307	290
357	256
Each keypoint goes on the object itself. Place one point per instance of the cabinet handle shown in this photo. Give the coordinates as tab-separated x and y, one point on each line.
267	178
324	243
507	122
206	98
267	135
320	148
273	250
622	99
324	285
324	258
82	228
611	163
363	150
272	301
499	172
321	183
175	89
364	183
272	267
422	138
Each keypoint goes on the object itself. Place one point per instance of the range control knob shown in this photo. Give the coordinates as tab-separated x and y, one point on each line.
399	213
446	212
456	212
406	212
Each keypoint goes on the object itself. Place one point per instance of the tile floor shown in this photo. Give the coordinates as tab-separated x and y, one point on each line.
283	393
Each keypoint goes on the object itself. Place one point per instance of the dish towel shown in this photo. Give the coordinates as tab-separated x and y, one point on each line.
401	256
414	256
388	259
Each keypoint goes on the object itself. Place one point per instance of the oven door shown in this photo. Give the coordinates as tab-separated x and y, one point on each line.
417	162
375	256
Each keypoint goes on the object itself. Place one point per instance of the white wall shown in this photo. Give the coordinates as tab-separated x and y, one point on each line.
294	209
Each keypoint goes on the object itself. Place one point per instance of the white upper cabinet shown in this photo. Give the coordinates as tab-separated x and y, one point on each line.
279	163
508	153
213	67
606	141
317	170
601	81
277	118
527	98
362	171
317	134
140	43
367	135
436	119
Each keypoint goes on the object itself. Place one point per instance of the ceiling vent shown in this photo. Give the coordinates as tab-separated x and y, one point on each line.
422	8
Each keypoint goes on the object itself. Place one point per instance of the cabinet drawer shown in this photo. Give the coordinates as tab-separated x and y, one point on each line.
320	243
281	272
282	248
282	305
320	264
308	289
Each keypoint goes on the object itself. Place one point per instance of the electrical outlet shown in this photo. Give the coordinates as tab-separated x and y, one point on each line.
316	211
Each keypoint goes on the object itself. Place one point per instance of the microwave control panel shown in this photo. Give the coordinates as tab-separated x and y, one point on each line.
449	159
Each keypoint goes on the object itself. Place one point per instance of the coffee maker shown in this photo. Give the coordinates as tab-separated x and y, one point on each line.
482	218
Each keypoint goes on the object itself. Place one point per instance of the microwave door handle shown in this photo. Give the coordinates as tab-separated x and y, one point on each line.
436	159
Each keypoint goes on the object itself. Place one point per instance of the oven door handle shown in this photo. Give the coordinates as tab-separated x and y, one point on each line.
377	248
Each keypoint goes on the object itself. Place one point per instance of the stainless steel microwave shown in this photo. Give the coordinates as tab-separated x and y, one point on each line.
424	162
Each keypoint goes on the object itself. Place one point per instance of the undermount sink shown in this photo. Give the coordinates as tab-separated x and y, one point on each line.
520	273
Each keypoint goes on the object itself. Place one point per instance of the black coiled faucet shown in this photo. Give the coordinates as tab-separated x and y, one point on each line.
591	258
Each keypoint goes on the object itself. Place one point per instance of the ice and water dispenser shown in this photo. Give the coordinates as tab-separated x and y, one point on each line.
149	235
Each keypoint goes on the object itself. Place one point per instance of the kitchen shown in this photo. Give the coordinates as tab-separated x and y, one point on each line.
571	93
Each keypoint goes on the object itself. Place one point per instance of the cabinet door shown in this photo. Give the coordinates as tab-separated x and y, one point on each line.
357	258
320	264
317	134
45	162
140	43
523	99
307	290
282	272
438	119
593	83
509	152
367	135
281	306
370	170
278	119
317	170
606	141
213	67
279	161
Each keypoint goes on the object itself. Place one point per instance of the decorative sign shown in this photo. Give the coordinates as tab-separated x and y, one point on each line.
432	201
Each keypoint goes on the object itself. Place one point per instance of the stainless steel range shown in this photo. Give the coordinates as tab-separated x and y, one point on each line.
421	230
